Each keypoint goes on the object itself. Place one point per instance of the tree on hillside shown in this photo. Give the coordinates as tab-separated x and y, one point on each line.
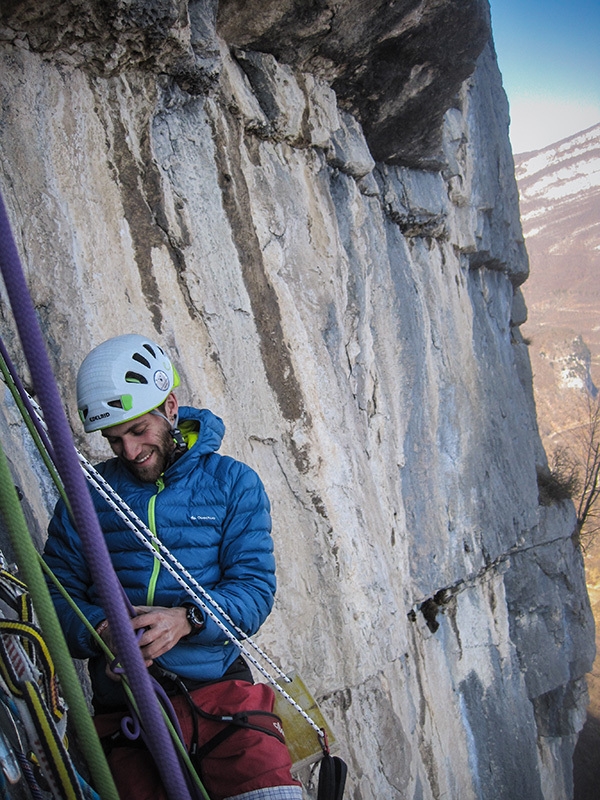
575	471
588	512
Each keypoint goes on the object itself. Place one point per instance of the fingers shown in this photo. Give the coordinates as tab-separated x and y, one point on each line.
161	628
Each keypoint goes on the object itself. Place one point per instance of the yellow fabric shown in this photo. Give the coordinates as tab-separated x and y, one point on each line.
189	431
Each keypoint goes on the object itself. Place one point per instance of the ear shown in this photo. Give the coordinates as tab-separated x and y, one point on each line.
171	406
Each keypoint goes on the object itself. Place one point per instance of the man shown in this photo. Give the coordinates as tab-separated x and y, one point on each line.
212	513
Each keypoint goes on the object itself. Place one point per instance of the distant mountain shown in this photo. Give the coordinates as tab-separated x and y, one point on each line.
559	189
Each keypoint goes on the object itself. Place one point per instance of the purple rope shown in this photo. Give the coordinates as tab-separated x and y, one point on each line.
94	546
130	725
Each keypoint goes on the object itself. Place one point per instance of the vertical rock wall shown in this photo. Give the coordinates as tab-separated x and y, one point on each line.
356	325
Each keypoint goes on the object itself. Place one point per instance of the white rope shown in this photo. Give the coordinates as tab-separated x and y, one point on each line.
151	542
162	553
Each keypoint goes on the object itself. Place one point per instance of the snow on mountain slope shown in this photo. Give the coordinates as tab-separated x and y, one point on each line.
559	190
565	174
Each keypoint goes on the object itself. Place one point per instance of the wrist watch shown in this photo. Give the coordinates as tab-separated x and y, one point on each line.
195	617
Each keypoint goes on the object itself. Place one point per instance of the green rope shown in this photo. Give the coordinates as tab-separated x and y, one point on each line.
8	379
27	558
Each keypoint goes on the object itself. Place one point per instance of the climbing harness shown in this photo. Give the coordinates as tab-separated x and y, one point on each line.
247	719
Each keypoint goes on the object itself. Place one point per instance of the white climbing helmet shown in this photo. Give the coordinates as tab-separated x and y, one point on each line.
121	379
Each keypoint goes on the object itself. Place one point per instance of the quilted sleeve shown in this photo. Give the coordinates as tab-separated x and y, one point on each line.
64	555
246	589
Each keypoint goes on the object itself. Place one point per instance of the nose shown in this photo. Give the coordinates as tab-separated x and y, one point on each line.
131	448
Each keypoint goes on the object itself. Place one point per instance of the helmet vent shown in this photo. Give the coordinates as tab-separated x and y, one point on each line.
135	377
150	350
115	403
141	360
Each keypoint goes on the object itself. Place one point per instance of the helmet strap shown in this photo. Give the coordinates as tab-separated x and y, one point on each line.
180	443
172	423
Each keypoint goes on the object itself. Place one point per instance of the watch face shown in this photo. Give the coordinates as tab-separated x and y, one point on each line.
195	617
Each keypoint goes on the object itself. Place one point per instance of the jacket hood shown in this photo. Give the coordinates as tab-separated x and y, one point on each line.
212	428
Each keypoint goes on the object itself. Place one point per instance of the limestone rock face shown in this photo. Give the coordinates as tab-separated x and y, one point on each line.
354	322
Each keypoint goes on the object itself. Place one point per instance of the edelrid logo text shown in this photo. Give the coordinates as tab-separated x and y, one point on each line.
96	417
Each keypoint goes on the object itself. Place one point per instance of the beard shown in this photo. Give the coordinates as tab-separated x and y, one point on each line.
160	455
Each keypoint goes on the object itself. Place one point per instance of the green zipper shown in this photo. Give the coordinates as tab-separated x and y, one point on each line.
152	525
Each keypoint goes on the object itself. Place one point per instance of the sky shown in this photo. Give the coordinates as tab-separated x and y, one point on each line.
549	55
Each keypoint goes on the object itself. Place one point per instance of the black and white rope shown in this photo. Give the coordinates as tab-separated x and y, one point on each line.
201	597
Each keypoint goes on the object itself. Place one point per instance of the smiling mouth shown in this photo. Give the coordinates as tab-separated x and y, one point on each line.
142	460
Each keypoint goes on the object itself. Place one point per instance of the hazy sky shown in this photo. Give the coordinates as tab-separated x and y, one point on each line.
549	56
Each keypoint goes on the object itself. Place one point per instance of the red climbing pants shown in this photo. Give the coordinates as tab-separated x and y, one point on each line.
246	761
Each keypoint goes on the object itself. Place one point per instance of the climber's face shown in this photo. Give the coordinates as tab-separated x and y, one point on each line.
144	444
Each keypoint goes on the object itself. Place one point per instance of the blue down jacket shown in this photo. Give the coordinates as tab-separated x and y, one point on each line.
212	512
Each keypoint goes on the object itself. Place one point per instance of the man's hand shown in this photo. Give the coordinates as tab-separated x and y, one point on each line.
163	628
